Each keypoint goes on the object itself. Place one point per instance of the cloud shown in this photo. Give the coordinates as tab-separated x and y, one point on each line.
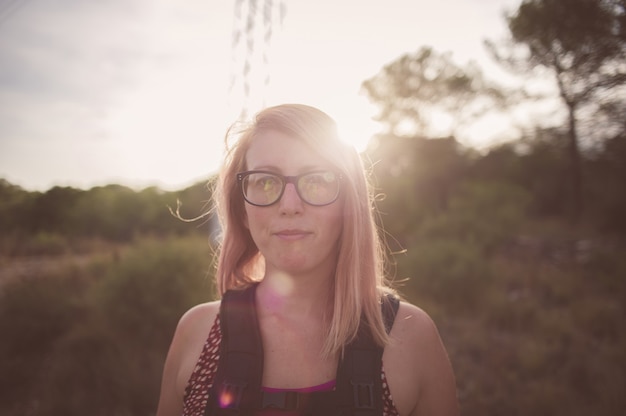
70	70
66	58
63	66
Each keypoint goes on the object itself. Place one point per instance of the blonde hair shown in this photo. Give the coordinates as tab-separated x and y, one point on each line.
359	282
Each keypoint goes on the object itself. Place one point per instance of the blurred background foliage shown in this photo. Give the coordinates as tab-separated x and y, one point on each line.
516	251
529	304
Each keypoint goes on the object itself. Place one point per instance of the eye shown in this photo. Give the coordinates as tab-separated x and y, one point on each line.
316	184
265	182
320	178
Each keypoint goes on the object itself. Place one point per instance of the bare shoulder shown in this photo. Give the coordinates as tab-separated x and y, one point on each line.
189	338
412	324
197	317
417	367
414	337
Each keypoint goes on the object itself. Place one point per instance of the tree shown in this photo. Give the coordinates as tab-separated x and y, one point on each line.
606	171
13	201
419	93
582	43
414	178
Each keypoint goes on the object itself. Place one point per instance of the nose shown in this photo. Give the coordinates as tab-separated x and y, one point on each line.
290	202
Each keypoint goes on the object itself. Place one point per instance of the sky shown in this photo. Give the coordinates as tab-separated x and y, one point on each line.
141	92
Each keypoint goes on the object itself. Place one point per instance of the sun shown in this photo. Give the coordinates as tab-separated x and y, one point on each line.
355	122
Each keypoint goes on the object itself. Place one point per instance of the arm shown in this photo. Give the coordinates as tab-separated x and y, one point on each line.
189	337
418	370
170	400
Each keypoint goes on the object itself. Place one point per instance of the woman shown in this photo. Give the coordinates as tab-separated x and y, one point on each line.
297	217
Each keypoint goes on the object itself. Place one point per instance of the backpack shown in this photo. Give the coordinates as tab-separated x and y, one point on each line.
237	389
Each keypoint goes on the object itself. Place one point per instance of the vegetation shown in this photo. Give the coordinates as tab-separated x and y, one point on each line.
582	44
530	307
92	339
427	92
63	218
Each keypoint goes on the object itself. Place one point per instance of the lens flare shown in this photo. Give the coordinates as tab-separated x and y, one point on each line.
226	399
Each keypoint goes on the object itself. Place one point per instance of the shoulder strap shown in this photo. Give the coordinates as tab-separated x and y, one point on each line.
237	385
390	306
359	383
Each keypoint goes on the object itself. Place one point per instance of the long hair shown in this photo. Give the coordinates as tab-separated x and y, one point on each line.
359	282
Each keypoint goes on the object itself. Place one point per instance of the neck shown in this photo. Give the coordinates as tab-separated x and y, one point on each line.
282	294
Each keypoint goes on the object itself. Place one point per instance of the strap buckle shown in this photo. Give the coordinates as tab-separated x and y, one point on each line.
363	394
285	400
231	394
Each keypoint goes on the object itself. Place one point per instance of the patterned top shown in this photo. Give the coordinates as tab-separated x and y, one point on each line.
201	379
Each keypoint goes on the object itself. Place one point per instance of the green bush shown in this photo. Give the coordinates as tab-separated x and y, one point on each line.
450	272
39	244
482	214
447	256
86	372
140	299
546	339
93	340
35	313
150	286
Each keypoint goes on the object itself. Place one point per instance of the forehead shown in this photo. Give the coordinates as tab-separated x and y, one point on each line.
283	152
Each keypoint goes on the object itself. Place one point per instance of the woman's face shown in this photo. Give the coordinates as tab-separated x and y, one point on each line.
293	236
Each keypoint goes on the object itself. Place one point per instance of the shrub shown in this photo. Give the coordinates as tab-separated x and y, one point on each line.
139	300
482	214
93	340
452	273
35	313
38	244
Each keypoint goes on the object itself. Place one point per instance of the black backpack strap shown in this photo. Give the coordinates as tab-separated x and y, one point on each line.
358	390
237	385
359	382
390	306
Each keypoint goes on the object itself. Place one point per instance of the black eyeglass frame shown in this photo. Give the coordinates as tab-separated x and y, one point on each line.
287	180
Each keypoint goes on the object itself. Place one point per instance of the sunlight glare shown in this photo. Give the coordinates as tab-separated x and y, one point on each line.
356	125
284	285
162	130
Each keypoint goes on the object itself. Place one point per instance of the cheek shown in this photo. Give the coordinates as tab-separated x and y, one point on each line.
334	223
246	223
254	218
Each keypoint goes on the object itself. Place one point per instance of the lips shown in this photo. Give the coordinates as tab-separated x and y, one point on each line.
292	234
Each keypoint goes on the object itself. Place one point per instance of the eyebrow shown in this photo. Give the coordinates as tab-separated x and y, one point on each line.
304	169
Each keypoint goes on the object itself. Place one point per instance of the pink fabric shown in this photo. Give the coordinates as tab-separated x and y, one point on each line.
328	386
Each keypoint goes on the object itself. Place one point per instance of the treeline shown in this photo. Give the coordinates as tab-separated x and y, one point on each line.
49	222
418	177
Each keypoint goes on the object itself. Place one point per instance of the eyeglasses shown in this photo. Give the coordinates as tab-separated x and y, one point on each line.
262	188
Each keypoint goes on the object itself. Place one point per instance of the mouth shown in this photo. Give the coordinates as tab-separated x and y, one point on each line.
292	234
